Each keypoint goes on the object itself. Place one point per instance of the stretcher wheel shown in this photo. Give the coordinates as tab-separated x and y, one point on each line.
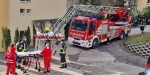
16	73
39	70
24	71
36	68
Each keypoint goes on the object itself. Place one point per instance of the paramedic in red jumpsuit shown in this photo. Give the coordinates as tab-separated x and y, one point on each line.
11	60
46	53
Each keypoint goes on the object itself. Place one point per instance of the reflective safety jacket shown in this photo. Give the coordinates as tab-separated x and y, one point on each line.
10	58
63	49
25	46
143	24
19	47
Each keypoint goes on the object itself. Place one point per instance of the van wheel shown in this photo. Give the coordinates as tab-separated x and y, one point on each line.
122	34
95	44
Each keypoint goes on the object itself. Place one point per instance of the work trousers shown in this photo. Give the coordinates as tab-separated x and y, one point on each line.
63	58
142	28
47	63
19	61
12	68
66	34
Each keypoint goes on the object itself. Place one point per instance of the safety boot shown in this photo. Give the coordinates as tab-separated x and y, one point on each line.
63	66
19	67
45	70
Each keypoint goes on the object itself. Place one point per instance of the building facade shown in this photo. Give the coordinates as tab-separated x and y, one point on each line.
23	12
3	17
142	3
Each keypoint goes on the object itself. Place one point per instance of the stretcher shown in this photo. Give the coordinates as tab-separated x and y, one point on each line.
29	57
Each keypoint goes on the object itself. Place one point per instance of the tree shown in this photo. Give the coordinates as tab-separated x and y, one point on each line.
146	12
28	35
16	35
34	32
6	40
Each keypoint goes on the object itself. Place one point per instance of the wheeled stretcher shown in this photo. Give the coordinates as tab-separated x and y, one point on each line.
41	39
29	57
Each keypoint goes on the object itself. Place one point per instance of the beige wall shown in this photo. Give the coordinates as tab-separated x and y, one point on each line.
142	4
3	17
40	9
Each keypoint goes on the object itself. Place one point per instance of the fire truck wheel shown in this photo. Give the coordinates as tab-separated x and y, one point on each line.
121	35
95	43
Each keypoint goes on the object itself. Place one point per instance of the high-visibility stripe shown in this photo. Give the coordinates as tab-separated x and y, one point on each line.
8	60
63	62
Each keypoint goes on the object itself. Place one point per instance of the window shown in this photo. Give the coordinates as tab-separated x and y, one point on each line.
28	11
79	25
25	0
21	34
22	11
148	1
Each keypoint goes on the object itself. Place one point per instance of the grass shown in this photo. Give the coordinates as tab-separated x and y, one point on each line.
140	38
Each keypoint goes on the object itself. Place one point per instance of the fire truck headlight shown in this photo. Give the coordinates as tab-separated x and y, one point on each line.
84	43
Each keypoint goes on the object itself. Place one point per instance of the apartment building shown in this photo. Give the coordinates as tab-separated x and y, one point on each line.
142	3
22	12
3	17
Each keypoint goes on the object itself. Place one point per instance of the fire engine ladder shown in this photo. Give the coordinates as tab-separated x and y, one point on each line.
63	20
71	10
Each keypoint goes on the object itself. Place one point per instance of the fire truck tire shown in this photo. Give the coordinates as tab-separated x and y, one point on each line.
95	43
122	35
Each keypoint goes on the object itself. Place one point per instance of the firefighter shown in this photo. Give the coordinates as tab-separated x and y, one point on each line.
19	49
47	29
142	24
25	48
11	60
63	54
66	29
25	45
46	53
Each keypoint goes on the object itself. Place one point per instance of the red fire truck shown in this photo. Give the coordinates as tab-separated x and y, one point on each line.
91	31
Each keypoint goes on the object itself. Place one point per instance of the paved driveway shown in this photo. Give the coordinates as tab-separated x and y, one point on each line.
106	60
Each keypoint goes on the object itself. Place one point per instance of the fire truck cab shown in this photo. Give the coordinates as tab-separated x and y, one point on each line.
91	31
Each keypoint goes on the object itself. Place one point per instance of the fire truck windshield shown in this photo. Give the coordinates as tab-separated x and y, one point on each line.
78	25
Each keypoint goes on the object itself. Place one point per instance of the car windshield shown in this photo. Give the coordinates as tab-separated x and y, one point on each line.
78	25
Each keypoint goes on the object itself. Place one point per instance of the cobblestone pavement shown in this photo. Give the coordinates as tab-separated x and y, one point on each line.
106	60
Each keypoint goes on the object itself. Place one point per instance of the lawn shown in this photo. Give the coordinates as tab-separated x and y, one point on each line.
140	38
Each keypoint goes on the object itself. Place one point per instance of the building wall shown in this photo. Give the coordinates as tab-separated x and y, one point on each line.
40	9
3	17
141	4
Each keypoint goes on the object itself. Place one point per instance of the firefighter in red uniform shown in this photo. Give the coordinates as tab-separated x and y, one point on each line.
46	53
11	60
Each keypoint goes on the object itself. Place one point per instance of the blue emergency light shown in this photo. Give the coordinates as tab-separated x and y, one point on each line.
76	15
91	17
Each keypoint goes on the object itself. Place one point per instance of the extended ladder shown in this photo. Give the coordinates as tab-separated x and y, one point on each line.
71	10
62	21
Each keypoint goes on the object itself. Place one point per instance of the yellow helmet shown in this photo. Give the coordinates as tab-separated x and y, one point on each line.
47	29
